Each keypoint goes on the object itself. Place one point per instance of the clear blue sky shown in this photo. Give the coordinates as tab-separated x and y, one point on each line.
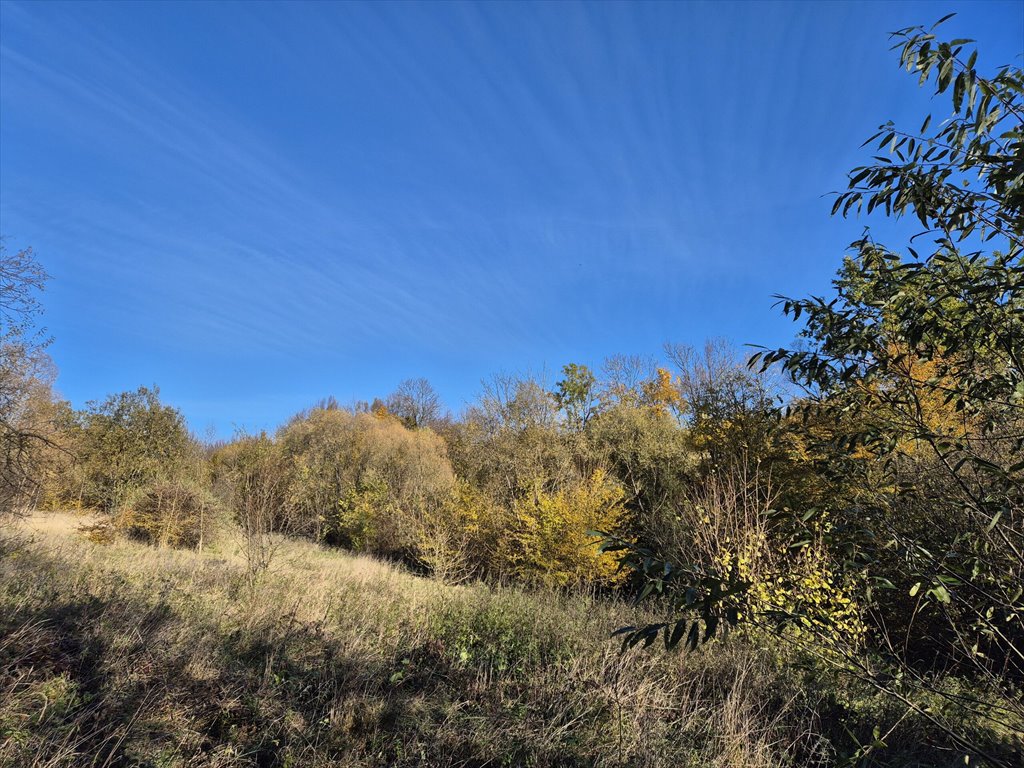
255	205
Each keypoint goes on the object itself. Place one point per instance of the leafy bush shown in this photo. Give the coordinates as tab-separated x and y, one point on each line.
552	539
459	538
367	520
124	443
172	514
362	480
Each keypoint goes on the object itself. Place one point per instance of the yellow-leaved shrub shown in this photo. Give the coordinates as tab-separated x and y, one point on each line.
459	538
551	540
801	583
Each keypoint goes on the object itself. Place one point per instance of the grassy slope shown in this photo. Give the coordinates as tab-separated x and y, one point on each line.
123	654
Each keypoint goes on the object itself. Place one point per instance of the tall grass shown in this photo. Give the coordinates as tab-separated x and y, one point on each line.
124	654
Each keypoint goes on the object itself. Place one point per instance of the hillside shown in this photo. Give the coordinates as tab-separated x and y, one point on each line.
123	654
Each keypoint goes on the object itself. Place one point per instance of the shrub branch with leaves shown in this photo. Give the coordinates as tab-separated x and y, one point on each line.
919	356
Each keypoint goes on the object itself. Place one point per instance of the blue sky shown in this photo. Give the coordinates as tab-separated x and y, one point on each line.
255	205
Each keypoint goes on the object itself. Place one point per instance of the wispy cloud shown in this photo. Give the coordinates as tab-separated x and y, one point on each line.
306	193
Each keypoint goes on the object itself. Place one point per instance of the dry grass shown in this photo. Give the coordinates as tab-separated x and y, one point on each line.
124	654
55	524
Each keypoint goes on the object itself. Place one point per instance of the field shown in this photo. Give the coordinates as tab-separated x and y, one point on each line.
117	654
124	654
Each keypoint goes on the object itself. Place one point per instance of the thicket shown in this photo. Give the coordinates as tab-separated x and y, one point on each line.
912	403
